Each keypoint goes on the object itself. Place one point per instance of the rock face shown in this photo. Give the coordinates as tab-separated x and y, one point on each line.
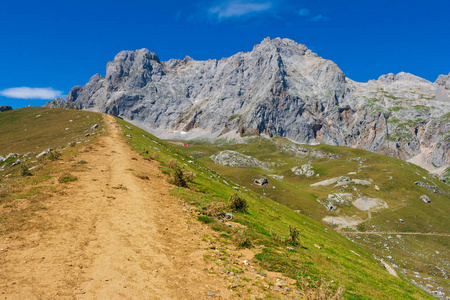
279	88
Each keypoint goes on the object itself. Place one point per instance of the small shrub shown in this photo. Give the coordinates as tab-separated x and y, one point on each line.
243	240
66	177
205	219
172	164
275	237
293	235
221	227
178	178
24	170
189	176
54	155
82	162
238	203
320	290
214	208
71	144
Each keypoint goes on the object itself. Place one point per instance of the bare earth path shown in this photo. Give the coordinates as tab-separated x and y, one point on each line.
111	235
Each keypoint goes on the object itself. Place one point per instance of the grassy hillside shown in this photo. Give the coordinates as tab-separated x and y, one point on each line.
27	132
321	258
422	258
35	129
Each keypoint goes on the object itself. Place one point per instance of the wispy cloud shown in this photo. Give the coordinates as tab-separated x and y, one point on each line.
238	8
304	12
31	93
319	18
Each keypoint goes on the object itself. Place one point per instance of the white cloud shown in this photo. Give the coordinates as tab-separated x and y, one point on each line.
303	12
238	8
319	18
31	93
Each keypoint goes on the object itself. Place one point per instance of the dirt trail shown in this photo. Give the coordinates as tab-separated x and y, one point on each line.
111	235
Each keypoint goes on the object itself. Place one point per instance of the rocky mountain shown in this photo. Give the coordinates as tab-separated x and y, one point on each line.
279	88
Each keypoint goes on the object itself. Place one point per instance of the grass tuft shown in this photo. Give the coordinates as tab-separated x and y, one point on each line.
66	177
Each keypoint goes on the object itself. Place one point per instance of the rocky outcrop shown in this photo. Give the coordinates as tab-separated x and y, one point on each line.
306	170
279	88
60	103
238	160
5	108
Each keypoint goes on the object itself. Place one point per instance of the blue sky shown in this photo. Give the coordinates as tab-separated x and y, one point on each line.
47	47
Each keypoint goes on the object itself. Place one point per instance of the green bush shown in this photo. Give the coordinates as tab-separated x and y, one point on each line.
54	155
178	177
24	170
238	204
293	236
243	240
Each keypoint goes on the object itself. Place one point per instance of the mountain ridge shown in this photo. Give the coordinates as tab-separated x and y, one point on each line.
279	88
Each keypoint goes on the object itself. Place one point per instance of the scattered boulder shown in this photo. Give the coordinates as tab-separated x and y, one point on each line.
5	108
341	198
225	215
13	155
358	159
261	181
237	160
93	127
431	188
277	177
425	198
343	180
17	162
45	152
331	207
305	169
361	181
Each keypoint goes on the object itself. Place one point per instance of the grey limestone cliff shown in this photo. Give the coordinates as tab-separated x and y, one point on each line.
279	88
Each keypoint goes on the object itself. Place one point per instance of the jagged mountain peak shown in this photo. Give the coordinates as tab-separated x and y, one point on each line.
286	46
136	55
401	76
279	88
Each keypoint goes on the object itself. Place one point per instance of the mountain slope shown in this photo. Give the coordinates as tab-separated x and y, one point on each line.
375	200
70	234
279	88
